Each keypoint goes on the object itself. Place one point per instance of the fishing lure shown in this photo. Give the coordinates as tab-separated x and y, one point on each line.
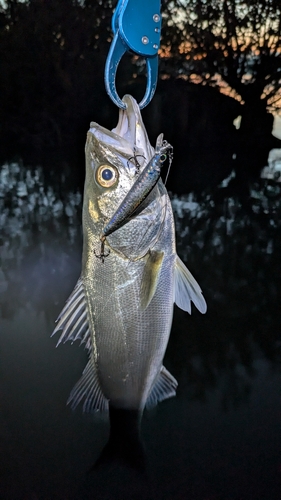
144	184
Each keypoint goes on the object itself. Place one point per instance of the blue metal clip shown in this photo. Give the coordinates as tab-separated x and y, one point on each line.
136	25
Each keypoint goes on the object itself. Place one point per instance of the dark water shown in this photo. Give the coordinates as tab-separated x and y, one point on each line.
220	437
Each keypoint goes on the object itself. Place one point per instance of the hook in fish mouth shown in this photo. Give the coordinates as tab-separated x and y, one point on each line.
134	159
102	255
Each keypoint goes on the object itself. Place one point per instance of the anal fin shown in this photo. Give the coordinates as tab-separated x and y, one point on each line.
73	319
164	387
88	389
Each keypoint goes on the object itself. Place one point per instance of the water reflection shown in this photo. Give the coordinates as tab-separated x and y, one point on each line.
235	253
41	233
228	359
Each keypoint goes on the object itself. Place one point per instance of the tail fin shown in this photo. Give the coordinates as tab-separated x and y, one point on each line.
124	444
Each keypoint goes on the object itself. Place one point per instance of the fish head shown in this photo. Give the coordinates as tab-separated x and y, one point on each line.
114	158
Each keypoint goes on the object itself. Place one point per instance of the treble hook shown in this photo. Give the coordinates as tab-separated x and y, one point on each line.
136	162
102	255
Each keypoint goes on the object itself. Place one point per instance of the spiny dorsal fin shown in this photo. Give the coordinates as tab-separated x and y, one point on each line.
73	319
150	277
88	388
187	289
164	388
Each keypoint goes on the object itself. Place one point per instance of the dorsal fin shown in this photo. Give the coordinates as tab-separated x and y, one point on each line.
164	387
88	388
187	289
73	319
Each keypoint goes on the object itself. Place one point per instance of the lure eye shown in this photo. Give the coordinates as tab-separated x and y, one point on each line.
106	175
163	158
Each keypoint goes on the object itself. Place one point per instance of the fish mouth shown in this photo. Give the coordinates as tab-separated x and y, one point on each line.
128	139
130	127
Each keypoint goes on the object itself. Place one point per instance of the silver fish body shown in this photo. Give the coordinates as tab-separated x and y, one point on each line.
130	338
122	308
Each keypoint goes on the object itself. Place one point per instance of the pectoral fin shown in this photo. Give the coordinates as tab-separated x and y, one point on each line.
150	277
73	319
187	289
88	388
164	388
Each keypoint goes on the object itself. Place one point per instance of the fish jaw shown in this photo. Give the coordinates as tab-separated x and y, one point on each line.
130	126
129	137
127	149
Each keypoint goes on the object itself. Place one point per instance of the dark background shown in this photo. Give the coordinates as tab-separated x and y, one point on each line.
219	439
52	57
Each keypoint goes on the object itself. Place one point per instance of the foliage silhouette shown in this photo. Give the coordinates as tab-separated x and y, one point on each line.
233	45
52	57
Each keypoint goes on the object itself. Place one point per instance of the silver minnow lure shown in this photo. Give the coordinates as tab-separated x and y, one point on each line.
138	193
140	190
122	309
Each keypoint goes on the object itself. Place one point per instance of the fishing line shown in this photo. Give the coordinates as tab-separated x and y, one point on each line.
171	155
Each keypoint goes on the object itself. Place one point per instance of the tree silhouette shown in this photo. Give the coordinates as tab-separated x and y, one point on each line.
52	57
230	43
235	46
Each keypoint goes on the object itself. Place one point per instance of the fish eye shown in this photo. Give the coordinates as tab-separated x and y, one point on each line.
106	175
163	158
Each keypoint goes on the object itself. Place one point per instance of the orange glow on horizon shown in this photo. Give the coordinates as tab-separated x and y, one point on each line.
217	80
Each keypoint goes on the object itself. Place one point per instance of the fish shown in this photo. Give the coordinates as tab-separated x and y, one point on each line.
122	305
